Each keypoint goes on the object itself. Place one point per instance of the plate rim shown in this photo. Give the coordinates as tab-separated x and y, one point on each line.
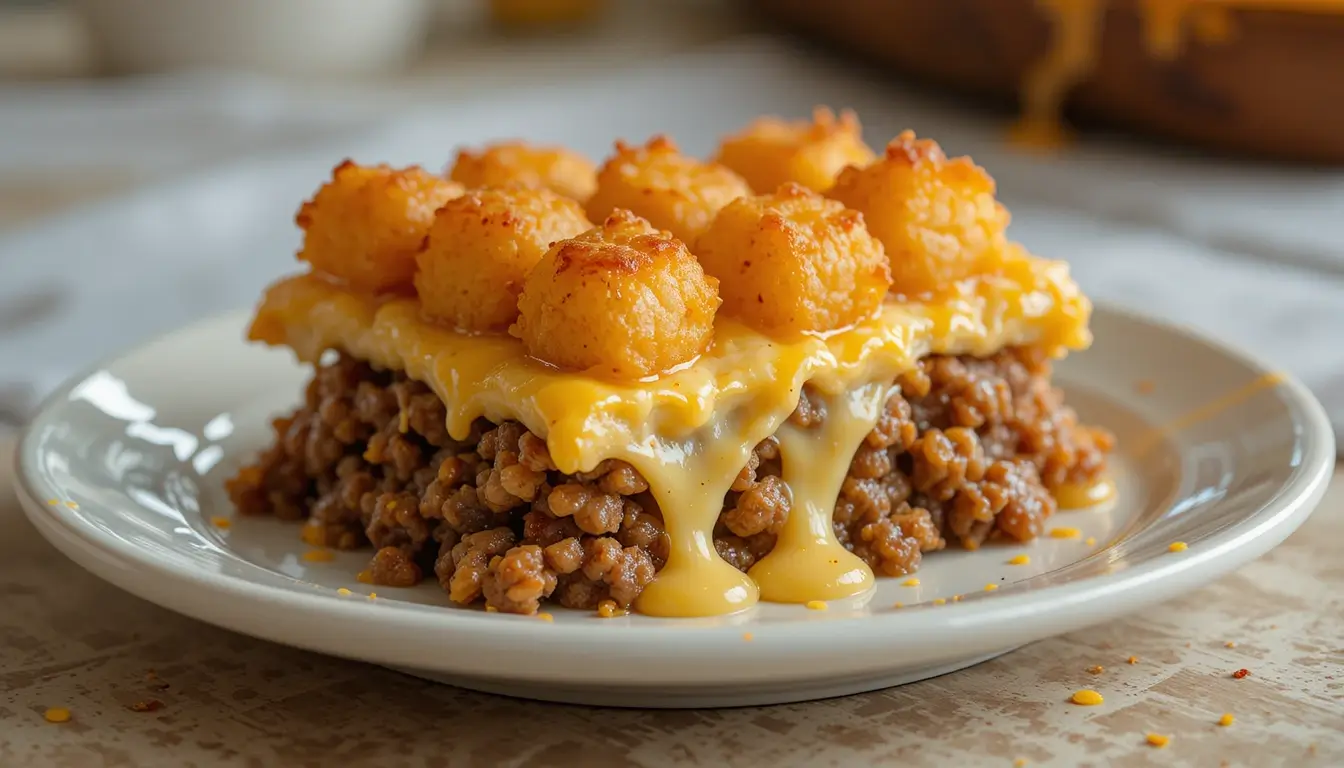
1146	581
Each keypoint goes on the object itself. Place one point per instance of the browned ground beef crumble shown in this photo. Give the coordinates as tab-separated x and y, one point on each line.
966	450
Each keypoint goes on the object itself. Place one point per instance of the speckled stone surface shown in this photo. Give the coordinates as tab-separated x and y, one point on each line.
70	640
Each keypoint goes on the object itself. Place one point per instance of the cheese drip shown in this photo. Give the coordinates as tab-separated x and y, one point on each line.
691	431
1075	44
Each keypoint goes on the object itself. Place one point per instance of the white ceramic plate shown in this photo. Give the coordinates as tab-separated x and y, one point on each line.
123	471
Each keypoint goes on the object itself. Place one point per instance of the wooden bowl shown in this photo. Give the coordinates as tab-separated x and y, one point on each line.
1274	88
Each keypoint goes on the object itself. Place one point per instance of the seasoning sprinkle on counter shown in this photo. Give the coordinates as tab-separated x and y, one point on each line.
57	715
1086	697
1240	673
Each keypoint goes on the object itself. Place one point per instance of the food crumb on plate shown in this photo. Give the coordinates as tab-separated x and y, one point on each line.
56	715
609	609
956	598
53	502
898	605
343	591
1065	533
1226	720
1178	546
1132	660
373	595
1096	669
1158	740
1090	541
1086	697
991	587
748	637
1020	762
220	521
1020	560
1230	644
910	583
939	601
545	617
72	505
319	556
816	605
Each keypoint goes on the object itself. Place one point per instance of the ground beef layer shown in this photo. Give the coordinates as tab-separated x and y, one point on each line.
967	450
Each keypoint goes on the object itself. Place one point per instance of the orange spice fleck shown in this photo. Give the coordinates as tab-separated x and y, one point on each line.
1132	660
57	715
1178	546
1020	560
910	583
991	587
319	556
1226	719
1096	669
816	605
748	637
1086	697
940	601
545	617
1158	740
220	521
1065	533
343	591
1240	673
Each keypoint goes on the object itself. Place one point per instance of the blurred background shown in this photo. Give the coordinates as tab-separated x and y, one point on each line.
1186	156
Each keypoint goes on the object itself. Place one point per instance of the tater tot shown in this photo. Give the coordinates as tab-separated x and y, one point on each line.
771	151
673	191
937	218
622	301
480	249
794	262
366	224
560	170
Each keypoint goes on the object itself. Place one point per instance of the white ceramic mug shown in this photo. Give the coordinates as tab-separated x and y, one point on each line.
292	37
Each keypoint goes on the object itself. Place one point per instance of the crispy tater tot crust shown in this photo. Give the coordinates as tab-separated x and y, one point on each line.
770	151
480	249
937	218
794	262
673	191
560	170
622	300
366	224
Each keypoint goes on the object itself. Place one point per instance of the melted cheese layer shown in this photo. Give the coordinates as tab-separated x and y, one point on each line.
691	431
